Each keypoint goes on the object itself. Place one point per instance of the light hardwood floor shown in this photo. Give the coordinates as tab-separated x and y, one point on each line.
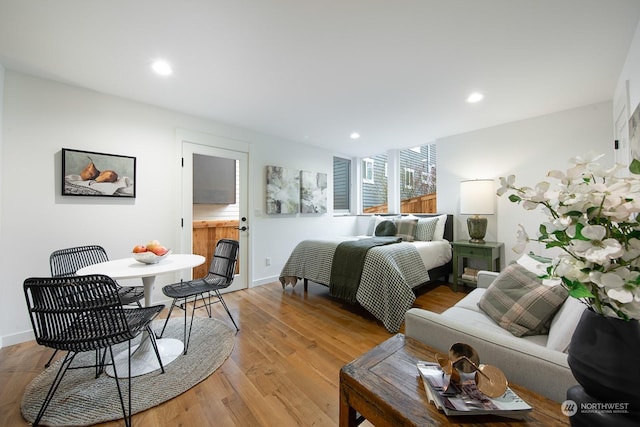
283	371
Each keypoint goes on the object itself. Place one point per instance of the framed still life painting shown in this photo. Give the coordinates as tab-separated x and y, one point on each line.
88	173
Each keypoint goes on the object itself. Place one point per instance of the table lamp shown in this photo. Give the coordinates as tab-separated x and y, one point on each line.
477	198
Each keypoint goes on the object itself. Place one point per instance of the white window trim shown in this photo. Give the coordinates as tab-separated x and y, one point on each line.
408	178
368	167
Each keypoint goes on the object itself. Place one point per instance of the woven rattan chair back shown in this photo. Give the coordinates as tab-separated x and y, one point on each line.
223	264
65	262
84	313
77	314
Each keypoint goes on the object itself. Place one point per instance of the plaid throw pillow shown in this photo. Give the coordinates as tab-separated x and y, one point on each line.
406	229
519	302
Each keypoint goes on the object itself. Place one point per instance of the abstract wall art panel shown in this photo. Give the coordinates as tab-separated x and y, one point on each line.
313	192
283	190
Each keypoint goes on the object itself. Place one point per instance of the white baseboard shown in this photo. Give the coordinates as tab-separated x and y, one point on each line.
264	281
20	337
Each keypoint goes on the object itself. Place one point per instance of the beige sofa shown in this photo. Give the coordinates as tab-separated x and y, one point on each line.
537	362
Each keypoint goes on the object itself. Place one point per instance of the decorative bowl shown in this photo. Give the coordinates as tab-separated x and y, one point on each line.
149	257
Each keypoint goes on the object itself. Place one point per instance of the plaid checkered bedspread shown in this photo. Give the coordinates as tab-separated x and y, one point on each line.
388	276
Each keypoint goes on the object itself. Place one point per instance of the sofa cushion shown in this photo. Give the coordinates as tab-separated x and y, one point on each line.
470	302
519	302
564	323
475	319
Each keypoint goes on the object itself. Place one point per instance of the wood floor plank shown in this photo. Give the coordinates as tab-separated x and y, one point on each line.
284	368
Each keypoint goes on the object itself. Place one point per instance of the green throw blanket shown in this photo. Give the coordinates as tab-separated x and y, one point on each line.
347	264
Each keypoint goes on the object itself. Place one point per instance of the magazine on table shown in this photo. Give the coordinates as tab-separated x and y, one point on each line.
466	399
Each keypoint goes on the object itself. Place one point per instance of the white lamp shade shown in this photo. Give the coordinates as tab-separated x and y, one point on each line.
477	197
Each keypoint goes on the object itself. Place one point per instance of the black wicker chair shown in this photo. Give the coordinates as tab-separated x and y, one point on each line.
65	263
221	274
84	313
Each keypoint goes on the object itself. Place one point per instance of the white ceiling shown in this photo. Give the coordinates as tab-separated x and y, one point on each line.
397	72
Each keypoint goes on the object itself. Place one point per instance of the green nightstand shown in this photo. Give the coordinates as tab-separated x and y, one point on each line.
488	251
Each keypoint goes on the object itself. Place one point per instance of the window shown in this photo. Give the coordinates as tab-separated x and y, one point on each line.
408	178
341	184
367	171
374	184
418	179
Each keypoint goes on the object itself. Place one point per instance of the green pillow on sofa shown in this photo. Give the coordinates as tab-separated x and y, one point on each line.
519	302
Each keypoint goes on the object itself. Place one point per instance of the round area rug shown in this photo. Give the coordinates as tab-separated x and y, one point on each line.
82	399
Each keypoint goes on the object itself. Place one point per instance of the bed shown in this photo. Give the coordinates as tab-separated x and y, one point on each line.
390	273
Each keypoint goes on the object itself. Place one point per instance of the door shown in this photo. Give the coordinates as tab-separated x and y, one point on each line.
623	153
189	149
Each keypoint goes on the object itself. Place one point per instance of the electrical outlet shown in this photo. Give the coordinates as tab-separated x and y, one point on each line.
267	261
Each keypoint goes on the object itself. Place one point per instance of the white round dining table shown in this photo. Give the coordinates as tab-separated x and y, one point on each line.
143	357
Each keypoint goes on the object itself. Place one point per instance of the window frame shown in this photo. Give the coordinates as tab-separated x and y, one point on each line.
409	176
346	164
368	172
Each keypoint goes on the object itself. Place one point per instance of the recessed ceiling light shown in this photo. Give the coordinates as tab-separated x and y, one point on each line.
162	67
475	97
354	135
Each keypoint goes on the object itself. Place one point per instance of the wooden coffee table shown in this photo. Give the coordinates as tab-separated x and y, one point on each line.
384	386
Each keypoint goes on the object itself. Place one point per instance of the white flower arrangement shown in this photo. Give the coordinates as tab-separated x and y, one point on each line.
593	220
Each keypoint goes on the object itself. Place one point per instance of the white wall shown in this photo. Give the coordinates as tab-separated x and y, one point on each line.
630	73
277	235
41	117
528	149
2	72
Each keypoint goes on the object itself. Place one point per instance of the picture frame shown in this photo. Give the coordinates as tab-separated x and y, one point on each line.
283	190
94	174
313	192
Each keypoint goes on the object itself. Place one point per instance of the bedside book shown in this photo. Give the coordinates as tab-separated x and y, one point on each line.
467	399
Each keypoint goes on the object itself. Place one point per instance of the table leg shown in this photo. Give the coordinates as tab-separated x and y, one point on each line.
143	357
455	273
148	282
348	417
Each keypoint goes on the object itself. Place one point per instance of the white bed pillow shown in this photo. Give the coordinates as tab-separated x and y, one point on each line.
439	233
374	220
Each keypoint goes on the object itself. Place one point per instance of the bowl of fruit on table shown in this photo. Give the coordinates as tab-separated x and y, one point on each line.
151	253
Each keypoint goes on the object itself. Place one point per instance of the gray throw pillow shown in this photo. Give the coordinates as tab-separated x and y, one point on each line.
519	302
425	229
386	228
